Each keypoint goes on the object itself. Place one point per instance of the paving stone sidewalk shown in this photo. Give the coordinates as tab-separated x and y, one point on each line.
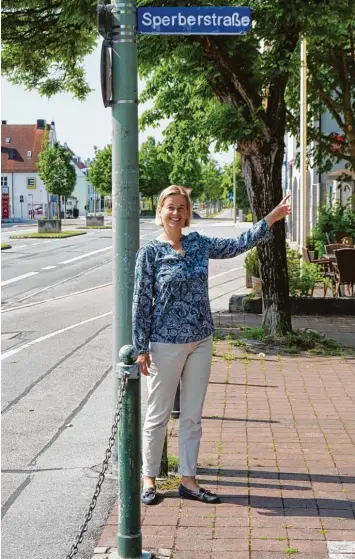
278	446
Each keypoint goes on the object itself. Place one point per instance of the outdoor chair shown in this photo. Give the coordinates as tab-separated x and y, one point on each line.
326	266
344	269
329	249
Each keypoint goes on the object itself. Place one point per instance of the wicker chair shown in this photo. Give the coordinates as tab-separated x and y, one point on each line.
345	269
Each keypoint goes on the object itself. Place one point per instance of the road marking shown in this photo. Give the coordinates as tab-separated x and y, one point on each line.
85	255
227	272
18	278
45	242
49	267
35	244
147	235
56	298
11	352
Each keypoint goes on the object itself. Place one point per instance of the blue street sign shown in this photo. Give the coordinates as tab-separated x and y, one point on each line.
206	20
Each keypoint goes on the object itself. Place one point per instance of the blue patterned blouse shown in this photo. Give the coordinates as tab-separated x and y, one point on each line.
170	301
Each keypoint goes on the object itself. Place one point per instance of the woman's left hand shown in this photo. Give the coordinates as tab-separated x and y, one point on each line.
278	213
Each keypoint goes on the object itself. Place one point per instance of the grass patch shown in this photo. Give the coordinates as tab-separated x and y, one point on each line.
173	463
257	339
62	235
170	484
5	246
95	227
290	551
228	357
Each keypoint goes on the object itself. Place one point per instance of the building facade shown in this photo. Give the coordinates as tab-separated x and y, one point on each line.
23	193
320	187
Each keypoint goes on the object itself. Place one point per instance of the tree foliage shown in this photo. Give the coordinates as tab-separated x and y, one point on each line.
330	83
155	167
44	44
100	171
56	169
242	200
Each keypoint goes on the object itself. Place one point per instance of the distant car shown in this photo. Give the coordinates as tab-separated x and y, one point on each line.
195	206
195	215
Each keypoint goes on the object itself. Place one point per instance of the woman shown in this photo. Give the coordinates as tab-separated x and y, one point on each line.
172	331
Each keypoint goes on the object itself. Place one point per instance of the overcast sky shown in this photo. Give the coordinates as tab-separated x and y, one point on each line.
82	125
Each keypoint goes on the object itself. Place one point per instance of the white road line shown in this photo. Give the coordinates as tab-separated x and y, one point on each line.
85	255
49	267
18	278
147	235
19	246
11	352
56	298
35	244
227	272
45	242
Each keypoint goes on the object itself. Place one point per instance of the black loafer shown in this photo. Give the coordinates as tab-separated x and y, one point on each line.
203	495
149	495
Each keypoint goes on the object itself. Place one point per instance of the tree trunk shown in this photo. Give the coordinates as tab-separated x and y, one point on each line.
59	205
261	162
152	200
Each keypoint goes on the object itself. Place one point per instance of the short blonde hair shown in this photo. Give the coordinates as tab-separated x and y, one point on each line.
171	191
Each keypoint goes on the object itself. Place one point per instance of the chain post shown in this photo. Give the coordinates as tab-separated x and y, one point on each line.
129	539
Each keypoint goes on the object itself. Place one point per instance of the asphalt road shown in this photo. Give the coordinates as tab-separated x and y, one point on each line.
57	384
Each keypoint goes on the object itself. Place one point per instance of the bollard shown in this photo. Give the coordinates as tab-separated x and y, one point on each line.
129	538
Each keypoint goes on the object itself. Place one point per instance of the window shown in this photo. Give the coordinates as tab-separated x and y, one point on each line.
8	140
12	154
4	181
29	154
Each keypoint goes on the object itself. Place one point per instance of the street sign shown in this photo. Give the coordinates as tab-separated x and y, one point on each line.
196	20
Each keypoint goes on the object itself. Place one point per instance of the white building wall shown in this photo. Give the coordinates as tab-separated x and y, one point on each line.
33	197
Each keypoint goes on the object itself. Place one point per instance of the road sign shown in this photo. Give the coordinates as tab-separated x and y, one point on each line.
196	20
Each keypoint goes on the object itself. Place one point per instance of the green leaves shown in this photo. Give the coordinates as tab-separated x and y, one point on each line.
100	171
56	169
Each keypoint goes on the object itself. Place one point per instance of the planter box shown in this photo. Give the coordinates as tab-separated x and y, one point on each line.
49	226
299	305
95	220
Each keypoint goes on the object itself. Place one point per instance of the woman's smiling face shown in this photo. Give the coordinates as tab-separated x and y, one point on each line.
174	212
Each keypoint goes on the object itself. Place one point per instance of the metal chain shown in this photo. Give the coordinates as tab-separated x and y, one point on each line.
83	528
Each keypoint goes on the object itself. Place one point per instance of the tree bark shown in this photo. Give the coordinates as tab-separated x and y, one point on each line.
261	162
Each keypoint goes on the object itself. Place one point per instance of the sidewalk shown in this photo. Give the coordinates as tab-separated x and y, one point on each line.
278	446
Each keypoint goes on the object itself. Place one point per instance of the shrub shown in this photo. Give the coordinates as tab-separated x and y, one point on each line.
251	263
333	219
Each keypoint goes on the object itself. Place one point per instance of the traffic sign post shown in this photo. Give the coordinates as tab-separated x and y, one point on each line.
119	23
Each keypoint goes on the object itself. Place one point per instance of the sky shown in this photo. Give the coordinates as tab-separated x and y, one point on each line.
81	124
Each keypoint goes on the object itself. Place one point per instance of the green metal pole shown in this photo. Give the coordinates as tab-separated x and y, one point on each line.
125	190
129	539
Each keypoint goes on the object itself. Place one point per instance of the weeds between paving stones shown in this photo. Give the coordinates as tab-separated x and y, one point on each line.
256	340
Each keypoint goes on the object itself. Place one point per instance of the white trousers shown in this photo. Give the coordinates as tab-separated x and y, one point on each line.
171	362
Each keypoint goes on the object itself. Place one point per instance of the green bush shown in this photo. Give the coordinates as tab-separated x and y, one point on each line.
333	219
251	263
249	217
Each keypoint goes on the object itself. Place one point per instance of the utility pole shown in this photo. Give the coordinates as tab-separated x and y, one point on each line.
117	23
303	146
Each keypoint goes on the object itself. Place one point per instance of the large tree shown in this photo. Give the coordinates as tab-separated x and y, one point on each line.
212	88
57	170
100	171
154	169
331	87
